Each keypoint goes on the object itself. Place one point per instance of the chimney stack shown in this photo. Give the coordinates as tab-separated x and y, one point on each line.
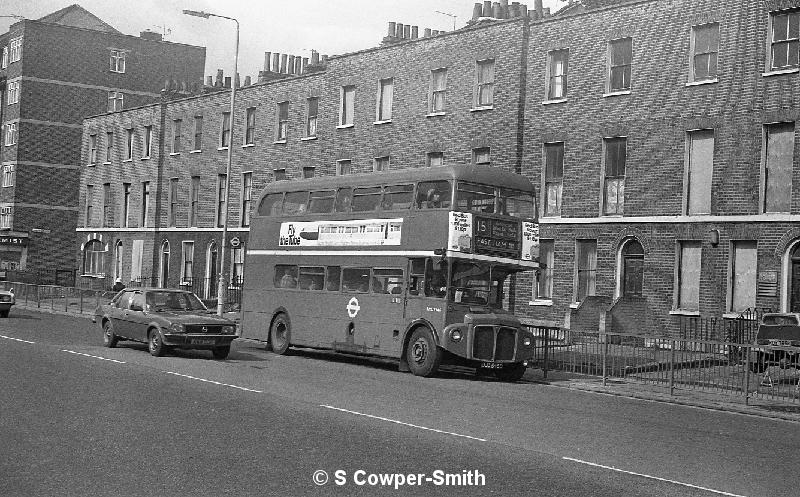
227	81
314	58
537	6
267	57
477	11
219	81
209	80
247	81
414	32
392	29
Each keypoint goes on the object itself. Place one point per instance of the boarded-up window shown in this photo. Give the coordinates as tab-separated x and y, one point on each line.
743	275
689	276
701	168
586	268
778	167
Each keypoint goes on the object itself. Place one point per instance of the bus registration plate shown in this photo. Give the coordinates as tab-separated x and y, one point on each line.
201	341
491	365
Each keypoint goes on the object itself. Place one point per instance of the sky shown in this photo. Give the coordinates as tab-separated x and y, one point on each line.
293	27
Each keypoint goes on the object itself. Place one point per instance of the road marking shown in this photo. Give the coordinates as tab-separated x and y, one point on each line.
720	492
214	382
93	356
17	339
402	423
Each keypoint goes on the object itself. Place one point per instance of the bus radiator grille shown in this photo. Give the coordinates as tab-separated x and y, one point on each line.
483	344
506	342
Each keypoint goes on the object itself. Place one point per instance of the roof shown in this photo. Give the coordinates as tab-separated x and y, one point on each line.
78	17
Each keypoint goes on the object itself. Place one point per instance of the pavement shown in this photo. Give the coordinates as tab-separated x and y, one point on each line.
761	406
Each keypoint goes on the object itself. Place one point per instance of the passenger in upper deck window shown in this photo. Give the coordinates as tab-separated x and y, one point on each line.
434	199
288	280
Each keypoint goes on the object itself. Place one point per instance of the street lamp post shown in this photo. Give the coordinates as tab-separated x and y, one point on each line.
221	284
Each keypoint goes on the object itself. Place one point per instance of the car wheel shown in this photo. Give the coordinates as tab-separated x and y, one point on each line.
511	372
422	355
280	334
109	338
155	344
221	352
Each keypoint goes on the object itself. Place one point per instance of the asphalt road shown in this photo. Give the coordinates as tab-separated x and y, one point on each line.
79	419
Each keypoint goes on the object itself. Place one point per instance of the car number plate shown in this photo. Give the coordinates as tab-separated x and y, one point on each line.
491	365
201	341
781	343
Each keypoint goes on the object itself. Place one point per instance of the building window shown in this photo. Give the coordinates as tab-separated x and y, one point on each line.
435	159
5	58
13	92
344	166
89	205
247	198
688	276
311	116
700	170
93	255
553	178
163	275
187	262
481	155
194	201
173	201
11	134
126	204
145	212
585	268
309	172
5	217
119	253
543	289
614	187
438	97
704	49
280	174
785	53
283	121
176	135
557	70
198	133
108	219
116	101
777	175
250	126
384	102
381	164
8	175
109	146
92	150
16	49
484	85
620	57
225	135
222	199
129	145
744	261
148	142
347	106
117	61
237	266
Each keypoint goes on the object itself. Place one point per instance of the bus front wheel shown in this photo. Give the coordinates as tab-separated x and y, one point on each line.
279	334
422	354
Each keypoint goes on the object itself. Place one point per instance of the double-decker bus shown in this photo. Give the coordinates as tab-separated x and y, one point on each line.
411	264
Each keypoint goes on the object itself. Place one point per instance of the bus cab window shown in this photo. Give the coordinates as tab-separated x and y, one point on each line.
321	202
285	276
475	197
355	279
387	281
417	276
397	197
271	204
334	278
295	203
436	278
344	198
367	199
433	195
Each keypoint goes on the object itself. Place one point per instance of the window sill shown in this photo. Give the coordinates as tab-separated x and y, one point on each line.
128	160
778	72
385	121
174	153
308	138
731	315
91	164
481	109
98	276
146	157
107	163
195	151
703	82
345	126
222	148
248	145
542	303
556	101
616	93
682	312
435	114
574	305
279	142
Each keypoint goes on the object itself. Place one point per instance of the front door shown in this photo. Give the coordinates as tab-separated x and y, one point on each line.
794	304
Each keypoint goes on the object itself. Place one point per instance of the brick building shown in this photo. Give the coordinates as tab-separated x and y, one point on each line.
660	133
55	71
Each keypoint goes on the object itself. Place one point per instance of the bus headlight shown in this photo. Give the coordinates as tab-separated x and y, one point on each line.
456	335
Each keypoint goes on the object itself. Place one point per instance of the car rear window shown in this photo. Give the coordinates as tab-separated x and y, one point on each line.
780	320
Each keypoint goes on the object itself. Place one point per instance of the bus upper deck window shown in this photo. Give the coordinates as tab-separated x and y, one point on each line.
517	203
344	198
271	204
321	201
396	197
366	198
355	279
433	195
295	202
475	197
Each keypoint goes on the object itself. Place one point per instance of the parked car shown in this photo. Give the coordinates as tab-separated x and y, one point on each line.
7	299
164	318
777	342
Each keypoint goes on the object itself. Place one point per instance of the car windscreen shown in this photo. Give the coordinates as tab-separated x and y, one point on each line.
174	301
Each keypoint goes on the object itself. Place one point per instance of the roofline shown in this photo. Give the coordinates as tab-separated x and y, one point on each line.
559	16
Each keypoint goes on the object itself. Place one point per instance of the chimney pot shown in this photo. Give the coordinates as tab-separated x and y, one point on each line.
298	65
427	33
304	65
487	8
247	81
209	80
220	75
276	62
477	10
504	9
284	60
407	32
399	29
537	6
267	57
227	81
496	10
414	32
290	68
314	58
392	29
324	60
546	12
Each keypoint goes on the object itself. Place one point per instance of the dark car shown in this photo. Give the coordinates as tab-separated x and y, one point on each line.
6	301
777	342
164	318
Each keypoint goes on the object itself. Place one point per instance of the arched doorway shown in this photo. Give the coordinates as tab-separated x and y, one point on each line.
632	269
163	275
794	279
212	272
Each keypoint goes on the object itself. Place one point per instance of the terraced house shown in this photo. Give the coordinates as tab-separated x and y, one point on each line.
661	134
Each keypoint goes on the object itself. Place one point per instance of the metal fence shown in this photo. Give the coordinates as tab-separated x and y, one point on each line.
205	288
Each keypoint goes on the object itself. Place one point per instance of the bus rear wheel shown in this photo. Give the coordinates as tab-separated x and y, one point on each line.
280	334
422	355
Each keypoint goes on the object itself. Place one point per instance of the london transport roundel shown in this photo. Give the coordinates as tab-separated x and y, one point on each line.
353	307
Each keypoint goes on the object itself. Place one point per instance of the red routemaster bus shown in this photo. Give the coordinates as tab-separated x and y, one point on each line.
411	264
